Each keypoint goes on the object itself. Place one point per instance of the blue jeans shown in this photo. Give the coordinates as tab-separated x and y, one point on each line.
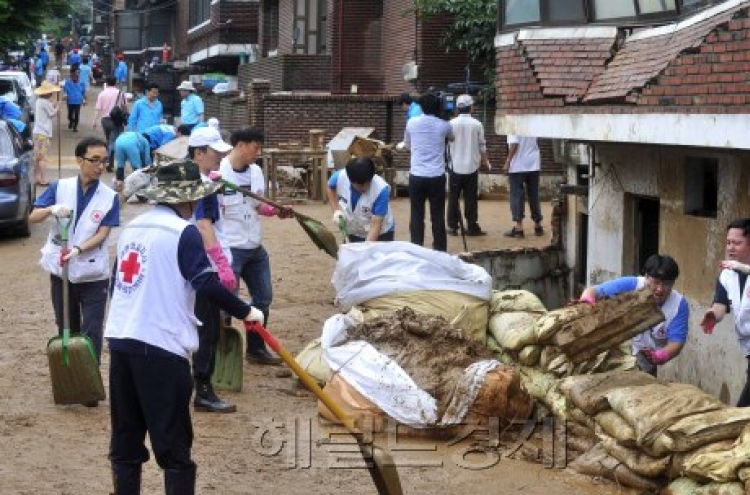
87	303
254	268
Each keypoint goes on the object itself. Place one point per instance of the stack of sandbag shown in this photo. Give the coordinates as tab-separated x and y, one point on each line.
387	369
661	431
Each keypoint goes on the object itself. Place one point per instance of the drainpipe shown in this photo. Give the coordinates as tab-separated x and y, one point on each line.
340	72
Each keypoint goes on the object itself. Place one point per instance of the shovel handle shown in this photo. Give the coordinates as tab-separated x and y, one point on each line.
247	192
303	376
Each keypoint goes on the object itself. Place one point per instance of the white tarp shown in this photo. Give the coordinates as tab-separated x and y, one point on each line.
373	269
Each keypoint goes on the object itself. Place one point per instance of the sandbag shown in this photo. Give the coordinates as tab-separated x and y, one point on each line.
686	486
536	382
701	429
513	330
597	462
529	355
650	409
722	465
502	396
515	300
613	425
677	462
637	461
588	392
311	359
363	412
463	311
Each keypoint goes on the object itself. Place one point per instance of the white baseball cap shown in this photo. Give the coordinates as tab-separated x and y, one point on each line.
464	101
208	136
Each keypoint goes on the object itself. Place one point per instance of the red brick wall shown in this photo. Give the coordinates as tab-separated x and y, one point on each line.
399	43
243	29
290	72
436	66
357	48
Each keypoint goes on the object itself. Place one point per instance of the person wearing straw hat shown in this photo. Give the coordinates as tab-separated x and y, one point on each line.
191	106
95	209
162	268
42	133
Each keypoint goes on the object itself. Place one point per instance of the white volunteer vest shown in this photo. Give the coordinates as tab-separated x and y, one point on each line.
655	337
358	219
740	307
242	220
151	301
93	264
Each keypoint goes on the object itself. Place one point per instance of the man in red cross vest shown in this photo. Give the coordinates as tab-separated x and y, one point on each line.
151	329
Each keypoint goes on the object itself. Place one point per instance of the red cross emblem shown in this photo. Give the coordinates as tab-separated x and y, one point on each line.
96	216
129	267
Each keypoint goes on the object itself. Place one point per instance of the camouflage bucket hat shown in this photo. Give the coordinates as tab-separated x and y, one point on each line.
178	182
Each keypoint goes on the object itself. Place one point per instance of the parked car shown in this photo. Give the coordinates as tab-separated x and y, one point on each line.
11	90
25	82
16	187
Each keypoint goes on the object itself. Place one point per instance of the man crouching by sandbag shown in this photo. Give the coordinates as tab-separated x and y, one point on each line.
151	329
663	342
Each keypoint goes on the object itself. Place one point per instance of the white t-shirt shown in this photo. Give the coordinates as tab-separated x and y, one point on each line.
527	157
43	112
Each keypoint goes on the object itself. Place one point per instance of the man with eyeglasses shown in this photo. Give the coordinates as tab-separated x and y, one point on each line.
665	341
94	209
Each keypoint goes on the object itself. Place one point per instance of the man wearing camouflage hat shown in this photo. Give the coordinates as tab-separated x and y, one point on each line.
151	329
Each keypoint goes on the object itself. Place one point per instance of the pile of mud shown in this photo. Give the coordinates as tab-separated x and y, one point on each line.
427	347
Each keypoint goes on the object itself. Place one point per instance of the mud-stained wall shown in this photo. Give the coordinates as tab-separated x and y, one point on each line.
541	271
714	362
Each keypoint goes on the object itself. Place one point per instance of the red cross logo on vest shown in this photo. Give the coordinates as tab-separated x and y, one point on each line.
129	267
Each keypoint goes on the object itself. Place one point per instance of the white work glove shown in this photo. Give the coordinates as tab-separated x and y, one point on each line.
736	266
254	317
338	215
72	253
400	146
60	211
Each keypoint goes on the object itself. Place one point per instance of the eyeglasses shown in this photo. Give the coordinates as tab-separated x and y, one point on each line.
96	160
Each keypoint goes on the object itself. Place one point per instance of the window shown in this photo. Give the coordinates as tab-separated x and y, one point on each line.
310	26
200	11
701	186
560	12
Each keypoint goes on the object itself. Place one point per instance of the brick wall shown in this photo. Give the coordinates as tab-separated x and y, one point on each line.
286	26
356	46
243	28
268	26
290	72
436	66
399	43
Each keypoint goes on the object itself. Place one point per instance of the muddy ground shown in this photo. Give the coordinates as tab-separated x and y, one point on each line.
274	443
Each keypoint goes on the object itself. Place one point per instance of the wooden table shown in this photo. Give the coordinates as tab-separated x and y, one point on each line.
272	157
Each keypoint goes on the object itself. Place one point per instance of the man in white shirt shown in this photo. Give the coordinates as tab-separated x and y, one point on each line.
468	155
522	166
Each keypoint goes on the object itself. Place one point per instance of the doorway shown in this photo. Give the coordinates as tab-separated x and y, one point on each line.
641	233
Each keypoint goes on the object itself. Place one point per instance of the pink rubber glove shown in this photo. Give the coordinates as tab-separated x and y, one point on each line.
658	357
708	322
588	299
214	175
267	210
226	275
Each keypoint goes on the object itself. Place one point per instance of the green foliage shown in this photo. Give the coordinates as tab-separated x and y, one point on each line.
473	30
20	20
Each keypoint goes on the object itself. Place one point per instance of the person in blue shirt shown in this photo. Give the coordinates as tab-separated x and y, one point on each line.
39	69
84	74
73	90
410	106
665	341
159	135
44	56
74	59
146	112
132	147
121	71
360	202
191	106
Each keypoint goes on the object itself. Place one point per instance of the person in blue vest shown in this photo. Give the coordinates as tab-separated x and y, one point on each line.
664	342
121	71
159	135
191	106
44	56
130	147
146	112
73	91
39	69
162	269
360	202
74	59
95	209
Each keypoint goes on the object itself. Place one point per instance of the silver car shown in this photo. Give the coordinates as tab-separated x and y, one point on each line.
26	85
16	189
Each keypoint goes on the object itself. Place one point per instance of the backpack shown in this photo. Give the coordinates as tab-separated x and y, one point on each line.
118	115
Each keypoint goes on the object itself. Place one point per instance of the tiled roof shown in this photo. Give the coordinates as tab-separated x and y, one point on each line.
641	59
566	67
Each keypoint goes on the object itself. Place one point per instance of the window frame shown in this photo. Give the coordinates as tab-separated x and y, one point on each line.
195	12
311	27
589	11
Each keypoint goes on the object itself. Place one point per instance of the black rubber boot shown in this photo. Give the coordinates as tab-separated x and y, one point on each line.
179	481
207	401
126	478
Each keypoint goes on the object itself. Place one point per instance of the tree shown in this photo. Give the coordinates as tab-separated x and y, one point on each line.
473	30
20	19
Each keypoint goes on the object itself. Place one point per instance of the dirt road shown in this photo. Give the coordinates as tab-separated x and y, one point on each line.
49	449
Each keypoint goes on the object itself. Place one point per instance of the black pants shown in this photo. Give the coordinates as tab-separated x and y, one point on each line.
74	114
523	184
208	338
744	399
87	303
150	392
430	189
468	184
